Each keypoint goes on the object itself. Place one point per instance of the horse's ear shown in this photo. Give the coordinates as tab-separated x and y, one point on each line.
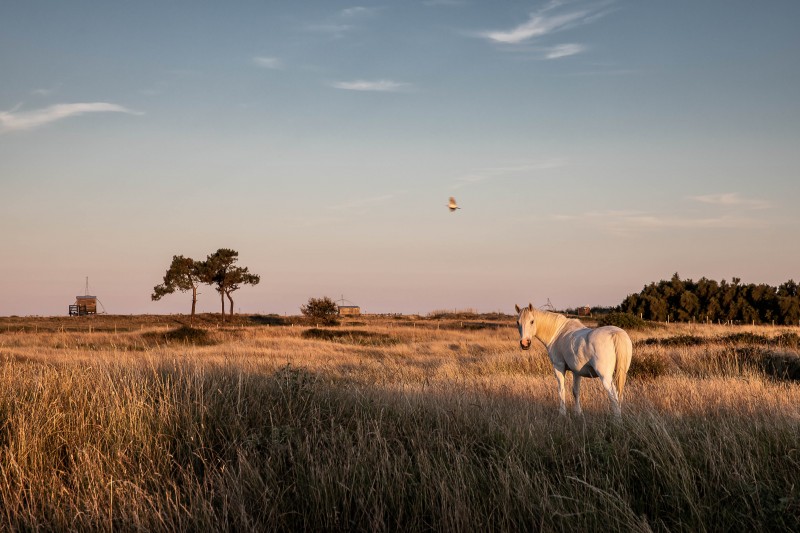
530	306
517	308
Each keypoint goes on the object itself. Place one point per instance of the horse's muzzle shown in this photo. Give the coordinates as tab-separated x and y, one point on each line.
525	344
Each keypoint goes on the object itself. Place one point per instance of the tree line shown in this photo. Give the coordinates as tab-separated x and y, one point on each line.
218	270
707	300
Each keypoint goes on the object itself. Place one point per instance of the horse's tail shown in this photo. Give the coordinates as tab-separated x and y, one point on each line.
623	349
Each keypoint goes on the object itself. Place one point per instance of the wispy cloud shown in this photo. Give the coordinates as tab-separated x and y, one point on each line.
343	21
337	30
357	11
268	62
563	50
531	168
447	3
628	222
363	202
731	199
375	85
538	25
45	92
26	120
602	70
554	17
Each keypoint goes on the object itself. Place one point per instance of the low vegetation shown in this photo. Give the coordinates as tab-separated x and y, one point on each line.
386	425
321	310
622	320
183	334
351	336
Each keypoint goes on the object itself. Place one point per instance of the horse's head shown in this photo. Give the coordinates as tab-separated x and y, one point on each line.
526	326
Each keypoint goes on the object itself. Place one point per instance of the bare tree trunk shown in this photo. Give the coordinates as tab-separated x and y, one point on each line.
228	294
222	299
194	305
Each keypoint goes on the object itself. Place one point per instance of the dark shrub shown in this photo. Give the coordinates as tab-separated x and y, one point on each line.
268	320
785	366
622	320
322	310
350	336
788	339
648	365
745	338
184	334
680	340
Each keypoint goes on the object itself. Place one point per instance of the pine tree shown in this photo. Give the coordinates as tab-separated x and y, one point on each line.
183	274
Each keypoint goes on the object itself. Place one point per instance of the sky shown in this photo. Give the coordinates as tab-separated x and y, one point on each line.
593	146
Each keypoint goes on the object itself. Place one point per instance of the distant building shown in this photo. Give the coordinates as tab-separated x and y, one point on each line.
84	305
584	311
349	310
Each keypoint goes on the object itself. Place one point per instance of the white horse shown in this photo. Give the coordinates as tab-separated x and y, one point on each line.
604	352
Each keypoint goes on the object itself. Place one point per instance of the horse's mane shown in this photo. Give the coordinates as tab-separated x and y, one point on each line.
549	324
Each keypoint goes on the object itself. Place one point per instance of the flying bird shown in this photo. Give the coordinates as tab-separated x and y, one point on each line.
452	205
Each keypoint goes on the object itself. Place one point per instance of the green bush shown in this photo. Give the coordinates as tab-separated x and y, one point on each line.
323	310
622	320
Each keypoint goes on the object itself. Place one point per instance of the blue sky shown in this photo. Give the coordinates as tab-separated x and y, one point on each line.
593	146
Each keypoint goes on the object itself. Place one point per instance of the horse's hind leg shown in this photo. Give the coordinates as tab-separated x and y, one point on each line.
562	408
576	392
608	384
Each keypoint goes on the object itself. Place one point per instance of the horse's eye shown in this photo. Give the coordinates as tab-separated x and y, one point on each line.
531	322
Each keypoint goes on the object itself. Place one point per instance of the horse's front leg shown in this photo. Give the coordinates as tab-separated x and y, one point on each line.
576	392
562	408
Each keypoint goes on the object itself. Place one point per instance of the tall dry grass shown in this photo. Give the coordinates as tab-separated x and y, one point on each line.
254	428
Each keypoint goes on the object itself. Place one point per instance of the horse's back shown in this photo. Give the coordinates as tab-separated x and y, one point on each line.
612	340
599	348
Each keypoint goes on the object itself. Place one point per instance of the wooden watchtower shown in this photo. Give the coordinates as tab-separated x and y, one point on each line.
347	310
84	305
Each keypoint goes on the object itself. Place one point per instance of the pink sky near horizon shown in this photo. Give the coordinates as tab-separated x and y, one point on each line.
590	157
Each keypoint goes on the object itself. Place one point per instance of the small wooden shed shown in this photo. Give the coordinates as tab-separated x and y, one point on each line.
349	310
84	305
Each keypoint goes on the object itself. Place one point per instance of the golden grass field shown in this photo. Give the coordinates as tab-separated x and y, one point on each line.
387	423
